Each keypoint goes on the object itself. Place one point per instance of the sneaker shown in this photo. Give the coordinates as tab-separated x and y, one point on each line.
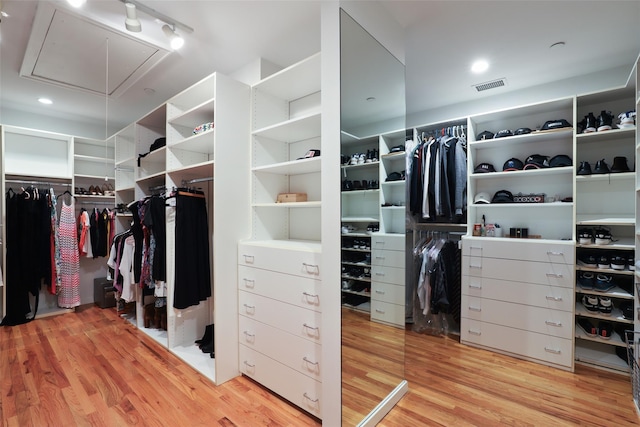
601	167
618	262
620	165
605	121
368	158
603	261
354	159
605	306
604	283
590	123
590	302
347	284
584	169
631	262
585	236
362	158
588	260
603	236
585	280
627	309
627	118
374	155
604	330
588	327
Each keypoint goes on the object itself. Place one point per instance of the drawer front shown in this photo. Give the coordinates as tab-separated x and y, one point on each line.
387	292
524	317
387	258
388	313
527	250
295	352
543	273
553	297
296	290
390	243
299	389
295	320
392	275
543	347
297	262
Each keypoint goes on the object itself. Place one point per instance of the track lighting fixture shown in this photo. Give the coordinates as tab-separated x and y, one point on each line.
132	23
174	39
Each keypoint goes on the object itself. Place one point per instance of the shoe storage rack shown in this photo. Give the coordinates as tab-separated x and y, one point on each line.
373	206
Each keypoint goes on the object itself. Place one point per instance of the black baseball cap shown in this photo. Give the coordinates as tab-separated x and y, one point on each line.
555	124
502	196
484	135
513	164
502	133
522	131
484	168
560	160
536	161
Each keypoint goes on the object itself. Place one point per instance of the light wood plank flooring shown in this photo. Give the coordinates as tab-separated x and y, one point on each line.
91	368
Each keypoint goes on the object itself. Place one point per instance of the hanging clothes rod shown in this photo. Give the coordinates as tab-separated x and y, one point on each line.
158	187
196	180
96	203
46	183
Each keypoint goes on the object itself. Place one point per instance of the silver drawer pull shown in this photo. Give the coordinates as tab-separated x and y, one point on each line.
552	350
552	298
558	275
306	396
379	242
475	266
249	308
479	248
379	311
249	365
310	362
379	274
552	323
315	268
313	328
249	335
472	332
379	292
249	259
249	283
478	309
555	253
475	286
380	257
306	294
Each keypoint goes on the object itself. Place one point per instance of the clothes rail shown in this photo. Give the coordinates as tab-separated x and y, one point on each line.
196	180
96	203
46	183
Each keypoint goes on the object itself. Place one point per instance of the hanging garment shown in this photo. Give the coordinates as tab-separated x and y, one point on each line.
192	271
69	273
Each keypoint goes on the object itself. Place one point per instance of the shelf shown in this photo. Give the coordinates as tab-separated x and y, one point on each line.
198	170
533	137
360	191
93	197
293	130
615	338
293	167
100	177
294	82
359	279
593	219
588	352
200	143
393	156
357	250
523	205
616	292
605	270
528	173
623	176
616	315
198	115
605	136
364	294
621	244
392	184
357	264
316	204
93	159
290	245
393	208
360	166
359	219
151	177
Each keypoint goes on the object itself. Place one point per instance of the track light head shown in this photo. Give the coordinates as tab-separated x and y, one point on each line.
174	39
132	23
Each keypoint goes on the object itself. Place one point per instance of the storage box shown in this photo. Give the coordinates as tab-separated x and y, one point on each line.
104	292
291	197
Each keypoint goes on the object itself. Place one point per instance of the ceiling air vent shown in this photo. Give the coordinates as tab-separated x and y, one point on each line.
491	85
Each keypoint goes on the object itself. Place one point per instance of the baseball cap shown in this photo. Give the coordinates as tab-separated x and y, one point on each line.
555	124
560	160
484	168
482	197
484	135
513	164
502	133
536	161
522	131
502	196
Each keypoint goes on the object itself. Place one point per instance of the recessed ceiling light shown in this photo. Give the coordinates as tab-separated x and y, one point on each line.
45	101
76	3
480	66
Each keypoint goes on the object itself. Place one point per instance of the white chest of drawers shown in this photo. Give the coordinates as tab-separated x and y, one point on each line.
517	298
280	308
388	279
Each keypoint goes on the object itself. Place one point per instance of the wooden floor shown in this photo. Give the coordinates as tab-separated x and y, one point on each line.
92	368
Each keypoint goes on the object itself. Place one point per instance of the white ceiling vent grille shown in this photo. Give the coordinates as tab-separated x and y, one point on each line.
491	85
69	50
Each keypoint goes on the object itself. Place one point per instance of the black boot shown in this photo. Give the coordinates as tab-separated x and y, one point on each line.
208	331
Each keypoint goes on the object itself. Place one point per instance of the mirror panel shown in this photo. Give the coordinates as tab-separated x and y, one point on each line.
372	102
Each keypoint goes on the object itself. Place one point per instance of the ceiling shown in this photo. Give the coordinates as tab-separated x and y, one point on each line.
442	38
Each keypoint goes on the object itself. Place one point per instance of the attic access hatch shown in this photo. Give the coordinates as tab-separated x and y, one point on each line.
69	50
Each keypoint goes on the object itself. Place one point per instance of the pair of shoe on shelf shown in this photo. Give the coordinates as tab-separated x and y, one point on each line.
206	343
155	317
619	165
107	189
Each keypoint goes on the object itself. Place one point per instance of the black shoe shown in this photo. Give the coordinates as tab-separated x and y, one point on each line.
605	120
619	165
208	332
589	123
584	169
601	167
347	185
208	348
